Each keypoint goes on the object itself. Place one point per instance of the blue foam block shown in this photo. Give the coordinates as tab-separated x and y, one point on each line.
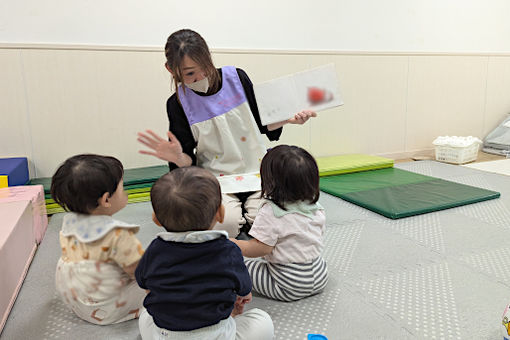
16	170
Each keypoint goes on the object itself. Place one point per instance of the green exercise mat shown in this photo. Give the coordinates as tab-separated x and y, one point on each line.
397	193
131	196
133	178
130	189
142	186
45	182
52	207
342	164
144	175
137	184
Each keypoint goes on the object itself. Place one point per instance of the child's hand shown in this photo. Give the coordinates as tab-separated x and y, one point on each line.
301	117
130	270
244	299
168	150
239	304
253	247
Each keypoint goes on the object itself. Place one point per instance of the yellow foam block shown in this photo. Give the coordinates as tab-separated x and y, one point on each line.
4	181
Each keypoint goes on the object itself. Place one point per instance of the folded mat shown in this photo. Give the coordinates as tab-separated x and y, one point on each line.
342	164
144	175
397	193
133	178
129	190
53	208
137	184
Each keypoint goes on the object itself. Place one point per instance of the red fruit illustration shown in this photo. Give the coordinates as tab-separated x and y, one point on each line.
317	95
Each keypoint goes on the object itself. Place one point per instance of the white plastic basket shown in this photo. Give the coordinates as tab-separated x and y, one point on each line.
457	154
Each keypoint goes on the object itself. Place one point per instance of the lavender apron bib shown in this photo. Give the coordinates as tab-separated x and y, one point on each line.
229	143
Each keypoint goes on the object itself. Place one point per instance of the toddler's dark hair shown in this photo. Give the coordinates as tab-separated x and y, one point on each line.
289	174
186	199
82	179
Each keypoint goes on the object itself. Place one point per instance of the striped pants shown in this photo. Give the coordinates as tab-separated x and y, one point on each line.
287	282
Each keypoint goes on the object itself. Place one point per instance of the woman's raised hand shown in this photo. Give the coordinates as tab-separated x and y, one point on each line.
302	117
168	150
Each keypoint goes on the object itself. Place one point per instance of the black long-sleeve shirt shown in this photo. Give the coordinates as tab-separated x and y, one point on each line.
180	127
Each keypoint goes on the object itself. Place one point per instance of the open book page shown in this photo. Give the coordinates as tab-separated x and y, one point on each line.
276	99
318	88
315	89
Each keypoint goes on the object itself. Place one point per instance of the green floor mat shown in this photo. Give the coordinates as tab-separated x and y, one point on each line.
397	193
53	208
367	180
144	175
142	186
137	184
342	164
145	190
130	189
133	178
44	181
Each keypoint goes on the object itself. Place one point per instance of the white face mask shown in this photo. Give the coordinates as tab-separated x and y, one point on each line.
199	86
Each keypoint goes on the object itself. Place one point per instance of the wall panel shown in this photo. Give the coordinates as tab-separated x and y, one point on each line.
93	102
62	101
446	96
372	119
15	133
498	93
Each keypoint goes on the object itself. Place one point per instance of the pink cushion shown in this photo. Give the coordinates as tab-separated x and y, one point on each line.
34	194
17	248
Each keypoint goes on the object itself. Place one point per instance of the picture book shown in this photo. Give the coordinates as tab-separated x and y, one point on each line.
315	89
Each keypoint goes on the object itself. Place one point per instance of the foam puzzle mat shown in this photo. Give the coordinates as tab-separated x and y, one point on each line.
441	275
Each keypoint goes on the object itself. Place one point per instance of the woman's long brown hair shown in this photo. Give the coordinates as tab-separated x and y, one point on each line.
189	43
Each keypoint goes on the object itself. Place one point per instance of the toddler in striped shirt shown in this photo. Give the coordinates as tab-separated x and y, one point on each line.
284	257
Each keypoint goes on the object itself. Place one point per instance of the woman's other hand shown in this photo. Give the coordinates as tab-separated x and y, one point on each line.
168	150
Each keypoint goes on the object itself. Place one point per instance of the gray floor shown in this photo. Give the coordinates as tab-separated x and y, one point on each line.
433	276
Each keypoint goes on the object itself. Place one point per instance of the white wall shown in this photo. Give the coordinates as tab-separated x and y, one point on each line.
430	68
339	25
60	102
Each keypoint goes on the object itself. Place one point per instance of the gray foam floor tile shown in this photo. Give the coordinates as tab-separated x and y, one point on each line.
442	275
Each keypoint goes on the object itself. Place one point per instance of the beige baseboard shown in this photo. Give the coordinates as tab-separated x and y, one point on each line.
428	153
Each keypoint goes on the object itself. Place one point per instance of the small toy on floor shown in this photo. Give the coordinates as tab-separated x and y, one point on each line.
316	337
506	323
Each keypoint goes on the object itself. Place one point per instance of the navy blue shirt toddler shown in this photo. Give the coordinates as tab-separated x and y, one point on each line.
193	279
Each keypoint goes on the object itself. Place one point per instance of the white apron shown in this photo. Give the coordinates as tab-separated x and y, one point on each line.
229	143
